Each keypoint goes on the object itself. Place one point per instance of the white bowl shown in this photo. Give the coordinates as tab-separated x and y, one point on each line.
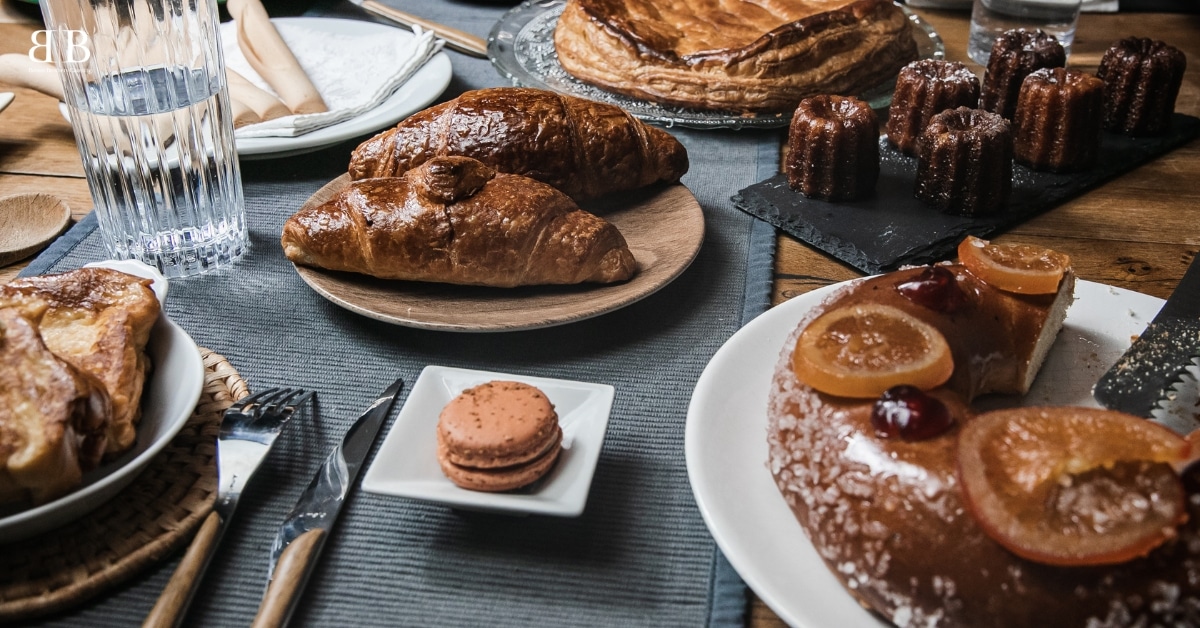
170	397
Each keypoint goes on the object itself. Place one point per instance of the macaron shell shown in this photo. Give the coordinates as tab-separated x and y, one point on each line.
479	462
501	479
497	424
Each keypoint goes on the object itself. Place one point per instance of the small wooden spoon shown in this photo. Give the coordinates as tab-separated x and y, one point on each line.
28	222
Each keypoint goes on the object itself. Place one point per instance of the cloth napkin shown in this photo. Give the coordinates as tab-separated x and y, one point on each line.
270	56
354	73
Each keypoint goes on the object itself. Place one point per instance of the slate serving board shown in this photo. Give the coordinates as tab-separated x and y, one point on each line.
894	228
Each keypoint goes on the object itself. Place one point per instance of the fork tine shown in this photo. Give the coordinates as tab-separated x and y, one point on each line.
296	403
291	401
241	404
271	401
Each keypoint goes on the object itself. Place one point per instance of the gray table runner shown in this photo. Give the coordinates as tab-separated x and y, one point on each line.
640	553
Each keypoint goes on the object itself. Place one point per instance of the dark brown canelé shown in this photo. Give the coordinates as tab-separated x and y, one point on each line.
925	88
833	149
964	162
1015	55
1141	80
1057	125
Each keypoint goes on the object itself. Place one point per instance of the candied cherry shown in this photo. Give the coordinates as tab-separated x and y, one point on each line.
1070	485
862	350
936	288
1019	268
908	413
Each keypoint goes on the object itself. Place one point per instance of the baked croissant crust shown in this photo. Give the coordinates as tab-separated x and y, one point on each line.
733	55
456	220
584	148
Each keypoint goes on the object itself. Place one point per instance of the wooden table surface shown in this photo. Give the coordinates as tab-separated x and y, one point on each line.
1139	231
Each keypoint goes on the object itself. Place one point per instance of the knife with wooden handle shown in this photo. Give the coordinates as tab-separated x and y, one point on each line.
303	533
455	39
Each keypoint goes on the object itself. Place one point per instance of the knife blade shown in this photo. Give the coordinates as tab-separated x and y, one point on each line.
303	533
1144	375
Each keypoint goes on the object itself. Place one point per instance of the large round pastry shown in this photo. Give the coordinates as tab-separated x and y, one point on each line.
890	516
733	56
1141	78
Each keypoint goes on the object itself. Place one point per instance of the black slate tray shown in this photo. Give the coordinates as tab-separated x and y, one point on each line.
894	228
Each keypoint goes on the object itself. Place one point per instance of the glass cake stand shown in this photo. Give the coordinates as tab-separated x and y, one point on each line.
521	46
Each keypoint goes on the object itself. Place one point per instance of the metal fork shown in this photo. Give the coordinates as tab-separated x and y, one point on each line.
248	430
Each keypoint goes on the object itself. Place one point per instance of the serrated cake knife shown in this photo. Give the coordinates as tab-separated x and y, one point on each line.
1144	375
303	533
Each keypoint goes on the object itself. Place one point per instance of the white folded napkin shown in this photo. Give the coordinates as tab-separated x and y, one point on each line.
354	73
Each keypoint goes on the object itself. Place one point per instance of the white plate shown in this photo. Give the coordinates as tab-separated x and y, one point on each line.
170	396
726	444
421	89
407	465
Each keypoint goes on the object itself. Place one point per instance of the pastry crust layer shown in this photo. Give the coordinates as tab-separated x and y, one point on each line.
737	56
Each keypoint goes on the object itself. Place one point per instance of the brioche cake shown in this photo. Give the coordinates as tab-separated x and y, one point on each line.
934	513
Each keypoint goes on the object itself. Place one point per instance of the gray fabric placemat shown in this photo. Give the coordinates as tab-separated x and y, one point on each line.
639	555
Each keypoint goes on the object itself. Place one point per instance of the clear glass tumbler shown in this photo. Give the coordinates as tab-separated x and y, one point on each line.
144	82
990	18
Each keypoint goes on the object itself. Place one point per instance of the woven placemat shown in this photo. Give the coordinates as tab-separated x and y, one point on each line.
155	515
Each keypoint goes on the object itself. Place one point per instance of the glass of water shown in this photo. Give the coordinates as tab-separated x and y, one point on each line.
144	84
990	18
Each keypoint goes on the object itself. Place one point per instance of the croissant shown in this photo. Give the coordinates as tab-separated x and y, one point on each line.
584	148
456	220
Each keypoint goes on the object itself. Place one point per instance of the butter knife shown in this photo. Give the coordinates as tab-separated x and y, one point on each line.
302	535
1144	375
455	39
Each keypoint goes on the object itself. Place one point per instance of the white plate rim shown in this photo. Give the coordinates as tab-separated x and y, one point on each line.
168	341
756	530
590	431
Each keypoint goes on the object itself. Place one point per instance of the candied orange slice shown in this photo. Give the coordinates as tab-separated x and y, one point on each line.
863	350
1019	268
1072	486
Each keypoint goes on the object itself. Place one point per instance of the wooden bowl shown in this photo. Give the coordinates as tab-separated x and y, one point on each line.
28	222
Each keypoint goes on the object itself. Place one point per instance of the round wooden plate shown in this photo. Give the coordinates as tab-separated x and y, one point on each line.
664	227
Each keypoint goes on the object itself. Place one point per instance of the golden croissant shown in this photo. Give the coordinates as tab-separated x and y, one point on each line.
456	220
584	148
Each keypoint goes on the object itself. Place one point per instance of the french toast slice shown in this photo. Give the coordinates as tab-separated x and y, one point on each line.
53	417
99	321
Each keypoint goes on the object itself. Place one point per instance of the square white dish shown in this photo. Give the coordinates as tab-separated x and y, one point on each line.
407	466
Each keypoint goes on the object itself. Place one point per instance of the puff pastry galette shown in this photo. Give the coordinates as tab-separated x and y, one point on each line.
733	55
